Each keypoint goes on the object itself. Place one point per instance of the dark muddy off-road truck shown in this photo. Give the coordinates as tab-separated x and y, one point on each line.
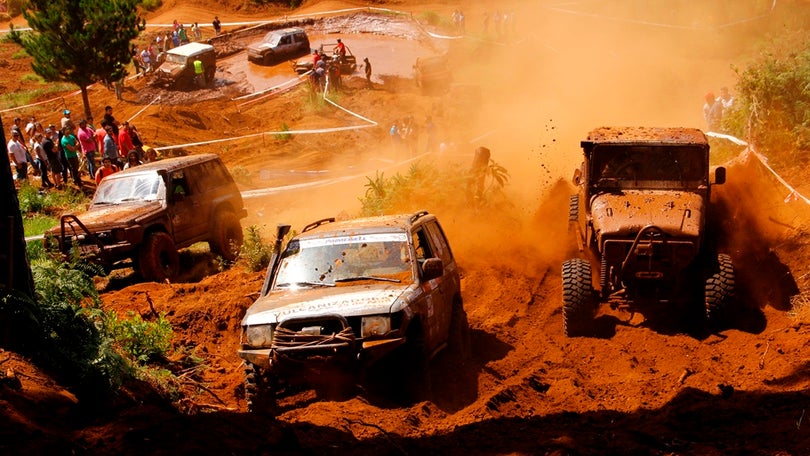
140	216
640	220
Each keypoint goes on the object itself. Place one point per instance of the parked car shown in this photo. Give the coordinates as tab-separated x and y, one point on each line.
177	67
279	45
140	216
343	295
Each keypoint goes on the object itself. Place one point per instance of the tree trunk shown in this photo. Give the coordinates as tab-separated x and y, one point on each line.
15	271
86	101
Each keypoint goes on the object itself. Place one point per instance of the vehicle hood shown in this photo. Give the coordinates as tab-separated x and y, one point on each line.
280	305
261	46
624	214
118	215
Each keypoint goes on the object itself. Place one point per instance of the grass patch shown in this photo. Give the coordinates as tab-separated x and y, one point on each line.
30	77
21	54
37	224
24	97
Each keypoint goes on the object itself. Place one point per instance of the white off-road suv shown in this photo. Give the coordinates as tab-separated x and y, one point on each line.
343	295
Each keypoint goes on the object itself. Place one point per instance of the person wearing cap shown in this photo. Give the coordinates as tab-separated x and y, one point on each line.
17	155
66	120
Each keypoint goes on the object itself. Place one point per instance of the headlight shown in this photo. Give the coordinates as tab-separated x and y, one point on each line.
375	326
259	335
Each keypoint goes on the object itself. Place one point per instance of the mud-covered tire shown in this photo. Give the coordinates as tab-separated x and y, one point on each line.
459	337
573	209
579	304
259	392
719	292
226	236
158	260
417	385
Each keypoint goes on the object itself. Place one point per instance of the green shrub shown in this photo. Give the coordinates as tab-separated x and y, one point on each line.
772	106
255	252
242	175
284	136
141	340
425	186
151	5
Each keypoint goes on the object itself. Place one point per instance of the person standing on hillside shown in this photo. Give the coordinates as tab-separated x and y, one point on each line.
17	156
111	146
110	119
39	152
197	32
87	141
712	112
70	145
51	152
217	25
367	66
125	144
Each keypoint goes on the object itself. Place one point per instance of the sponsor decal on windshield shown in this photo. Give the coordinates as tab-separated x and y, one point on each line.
359	239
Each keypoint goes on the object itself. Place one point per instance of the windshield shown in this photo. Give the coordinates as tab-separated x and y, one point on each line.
133	187
271	39
324	261
176	58
648	166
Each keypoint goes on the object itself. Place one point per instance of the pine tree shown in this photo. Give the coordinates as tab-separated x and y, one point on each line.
80	41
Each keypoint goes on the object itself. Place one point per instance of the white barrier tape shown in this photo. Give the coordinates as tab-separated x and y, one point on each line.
287	132
794	194
144	108
291	83
273	190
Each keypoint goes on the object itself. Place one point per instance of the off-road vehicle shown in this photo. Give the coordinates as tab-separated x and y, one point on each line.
347	65
344	295
140	216
176	69
432	74
640	218
279	45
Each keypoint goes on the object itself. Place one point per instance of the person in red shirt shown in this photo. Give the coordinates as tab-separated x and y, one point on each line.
340	50
125	139
106	169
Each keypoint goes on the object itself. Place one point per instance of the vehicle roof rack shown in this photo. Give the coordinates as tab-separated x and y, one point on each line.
416	216
320	222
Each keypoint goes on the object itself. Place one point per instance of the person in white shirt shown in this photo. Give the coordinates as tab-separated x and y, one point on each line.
17	155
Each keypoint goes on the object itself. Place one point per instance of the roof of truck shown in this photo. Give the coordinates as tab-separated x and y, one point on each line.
190	49
629	135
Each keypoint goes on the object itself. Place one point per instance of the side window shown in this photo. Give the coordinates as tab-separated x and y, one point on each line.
440	243
285	40
421	242
180	184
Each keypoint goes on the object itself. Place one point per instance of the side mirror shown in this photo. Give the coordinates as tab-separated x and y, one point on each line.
432	268
577	179
720	175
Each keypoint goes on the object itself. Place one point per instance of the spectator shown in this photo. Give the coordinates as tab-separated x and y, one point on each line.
52	154
66	119
125	144
87	141
111	146
217	25
70	146
197	32
712	112
132	159
39	152
110	119
107	168
17	156
367	66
